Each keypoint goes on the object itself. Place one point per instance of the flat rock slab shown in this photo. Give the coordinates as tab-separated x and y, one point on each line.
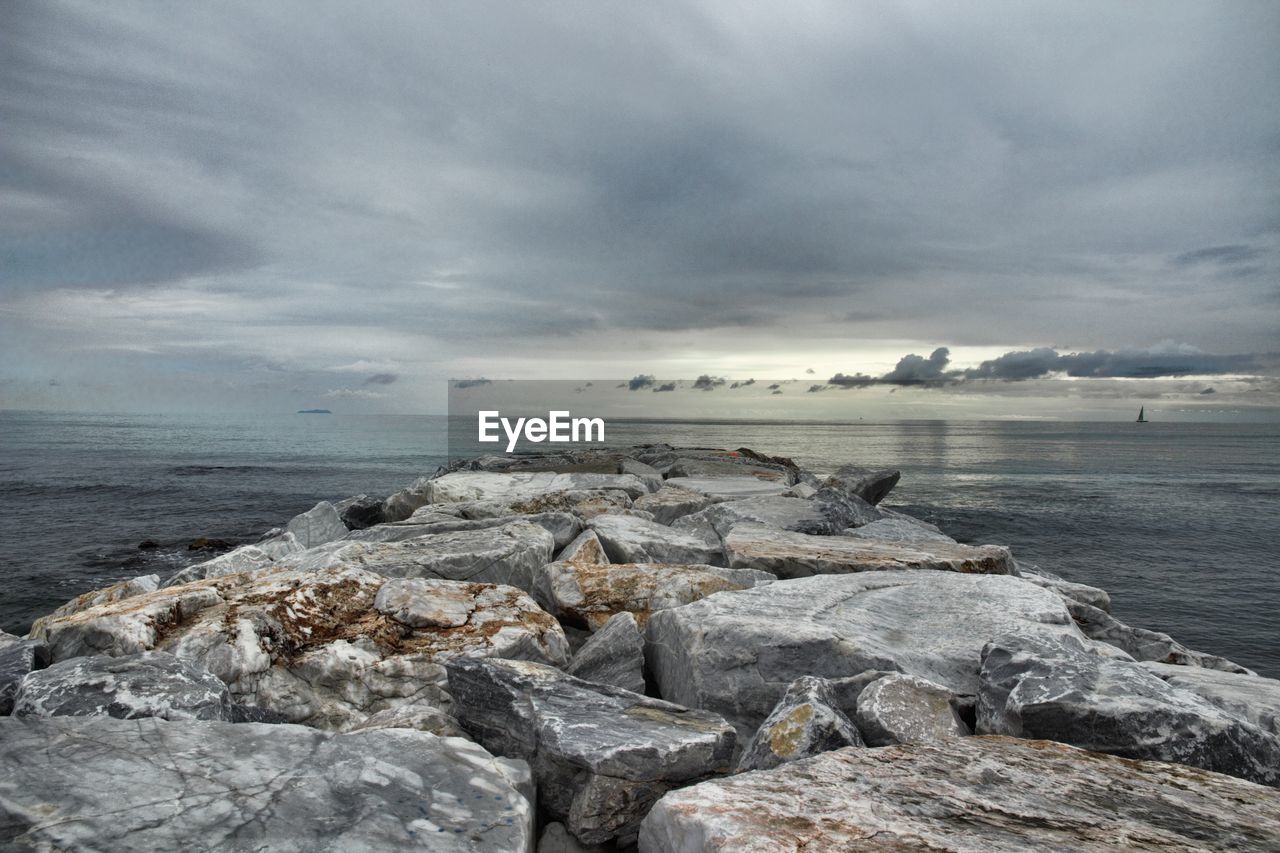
672	502
969	794
797	555
562	526
150	684
736	652
730	487
904	531
588	594
815	515
870	484
507	554
82	784
325	648
601	755
489	486
1248	697
634	540
1051	687
614	655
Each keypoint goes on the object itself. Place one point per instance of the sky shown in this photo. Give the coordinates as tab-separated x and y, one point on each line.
915	209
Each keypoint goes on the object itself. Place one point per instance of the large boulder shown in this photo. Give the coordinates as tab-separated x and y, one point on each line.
729	488
77	783
723	465
316	526
613	655
1052	687
795	555
1248	697
734	653
562	526
116	592
633	540
587	594
360	511
325	648
805	722
149	684
460	486
601	755
246	558
1140	643
824	514
903	708
900	529
18	658
870	484
403	503
672	502
971	794
507	554
1078	593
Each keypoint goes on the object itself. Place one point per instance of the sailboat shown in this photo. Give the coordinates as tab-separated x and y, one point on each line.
1142	416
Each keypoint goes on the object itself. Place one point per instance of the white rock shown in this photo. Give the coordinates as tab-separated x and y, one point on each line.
634	540
907	709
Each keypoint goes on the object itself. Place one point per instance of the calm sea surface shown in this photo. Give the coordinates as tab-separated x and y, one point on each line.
1180	522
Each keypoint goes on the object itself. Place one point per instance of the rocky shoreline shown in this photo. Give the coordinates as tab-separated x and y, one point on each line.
675	649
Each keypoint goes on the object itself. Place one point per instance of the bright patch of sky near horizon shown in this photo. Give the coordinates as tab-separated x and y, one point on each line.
304	204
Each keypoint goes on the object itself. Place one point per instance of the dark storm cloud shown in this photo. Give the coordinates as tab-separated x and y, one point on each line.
638	382
381	379
494	179
665	386
1101	364
708	383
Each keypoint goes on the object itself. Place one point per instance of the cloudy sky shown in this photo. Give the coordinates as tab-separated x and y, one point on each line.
921	208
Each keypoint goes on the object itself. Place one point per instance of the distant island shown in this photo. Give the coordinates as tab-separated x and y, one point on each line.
314	412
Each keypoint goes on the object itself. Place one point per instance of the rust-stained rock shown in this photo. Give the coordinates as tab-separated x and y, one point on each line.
970	794
587	594
804	723
796	555
324	648
115	592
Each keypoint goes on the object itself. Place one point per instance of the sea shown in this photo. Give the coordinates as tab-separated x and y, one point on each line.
1180	522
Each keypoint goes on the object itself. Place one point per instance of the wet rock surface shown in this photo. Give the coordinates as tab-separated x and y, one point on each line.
601	755
980	793
86	783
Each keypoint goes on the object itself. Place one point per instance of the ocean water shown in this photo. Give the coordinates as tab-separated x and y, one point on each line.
1180	522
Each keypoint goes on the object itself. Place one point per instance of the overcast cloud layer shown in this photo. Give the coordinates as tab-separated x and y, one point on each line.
273	205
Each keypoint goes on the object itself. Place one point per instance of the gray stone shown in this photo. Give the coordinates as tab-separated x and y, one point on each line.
795	555
314	647
614	655
1142	644
870	484
459	486
816	515
556	839
316	526
907	709
967	794
423	718
403	503
360	512
18	658
729	488
634	540
246	558
588	594
562	526
805	722
723	464
900	530
647	474
601	755
735	652
507	554
115	592
149	684
846	690
672	502
1248	697
1053	688
585	549
1075	592
81	784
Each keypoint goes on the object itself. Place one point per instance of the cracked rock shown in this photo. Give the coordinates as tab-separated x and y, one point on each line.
613	655
805	722
907	709
633	540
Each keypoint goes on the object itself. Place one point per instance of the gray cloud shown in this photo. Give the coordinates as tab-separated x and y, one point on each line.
1130	364
708	383
381	379
638	382
665	386
916	370
1224	255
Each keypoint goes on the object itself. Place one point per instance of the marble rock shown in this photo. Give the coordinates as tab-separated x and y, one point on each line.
148	684
805	722
634	540
795	555
18	658
907	709
900	530
423	718
562	526
734	653
1247	697
1052	687
870	484
647	474
671	502
507	554
822	515
403	503
1072	592
81	783
246	558
1142	644
729	488
585	549
613	655
458	486
728	467
325	648
360	511
966	794
601	755
116	592
587	594
556	839
316	526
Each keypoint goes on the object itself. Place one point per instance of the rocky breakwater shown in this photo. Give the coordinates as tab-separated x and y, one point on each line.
675	649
